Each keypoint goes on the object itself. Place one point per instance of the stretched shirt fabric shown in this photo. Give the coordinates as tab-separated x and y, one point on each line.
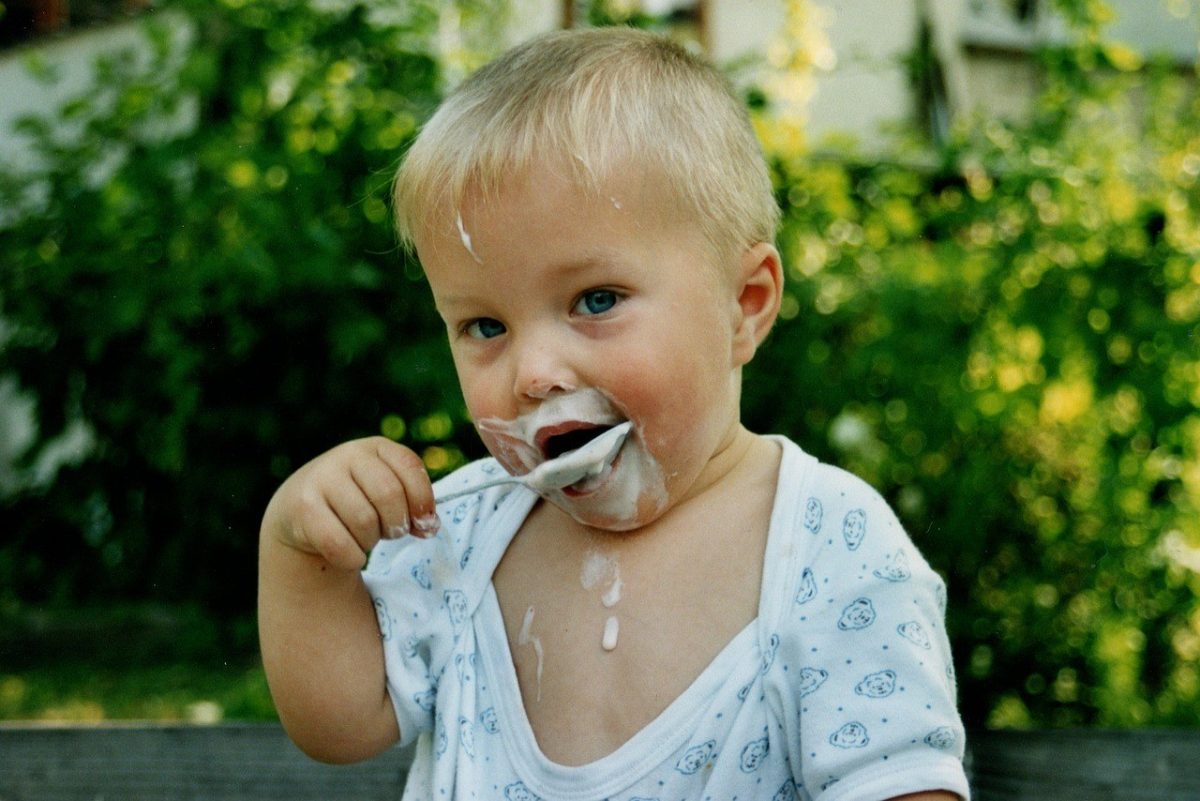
841	688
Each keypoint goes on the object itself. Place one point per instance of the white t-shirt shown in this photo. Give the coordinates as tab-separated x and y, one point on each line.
842	687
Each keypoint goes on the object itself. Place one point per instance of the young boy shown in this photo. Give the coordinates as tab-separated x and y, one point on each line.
716	614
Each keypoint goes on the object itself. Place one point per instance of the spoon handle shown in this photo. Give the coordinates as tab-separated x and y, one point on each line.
470	489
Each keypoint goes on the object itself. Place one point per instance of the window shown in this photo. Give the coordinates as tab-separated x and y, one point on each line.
1006	25
1023	10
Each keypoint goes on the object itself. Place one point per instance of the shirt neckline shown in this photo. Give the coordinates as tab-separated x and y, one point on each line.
663	735
648	747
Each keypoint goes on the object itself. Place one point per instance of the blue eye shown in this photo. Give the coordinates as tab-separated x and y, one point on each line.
596	301
484	328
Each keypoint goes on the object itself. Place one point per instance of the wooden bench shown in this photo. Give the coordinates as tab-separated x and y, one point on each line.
256	762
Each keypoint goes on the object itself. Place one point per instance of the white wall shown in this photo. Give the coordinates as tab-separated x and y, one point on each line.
70	60
869	87
737	29
983	51
865	85
1001	80
1158	26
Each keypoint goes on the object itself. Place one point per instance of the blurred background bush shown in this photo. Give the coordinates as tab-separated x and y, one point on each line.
997	325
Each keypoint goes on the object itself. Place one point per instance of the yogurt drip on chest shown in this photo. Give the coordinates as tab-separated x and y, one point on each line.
601	567
526	638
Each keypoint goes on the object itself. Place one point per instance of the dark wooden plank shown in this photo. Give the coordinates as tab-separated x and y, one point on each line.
1085	765
147	762
231	762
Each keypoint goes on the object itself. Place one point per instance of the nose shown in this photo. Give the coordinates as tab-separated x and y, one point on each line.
542	368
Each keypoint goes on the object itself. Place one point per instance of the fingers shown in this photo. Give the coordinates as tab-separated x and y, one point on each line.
383	492
327	535
409	470
389	494
343	502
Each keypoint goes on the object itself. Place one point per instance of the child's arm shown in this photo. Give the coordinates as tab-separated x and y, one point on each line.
319	634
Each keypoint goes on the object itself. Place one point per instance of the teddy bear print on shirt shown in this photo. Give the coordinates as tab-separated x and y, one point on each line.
812	515
753	754
786	792
517	791
810	679
420	574
877	685
851	735
465	665
914	633
696	757
456	607
858	615
896	569
385	620
808	587
941	738
425	700
854	528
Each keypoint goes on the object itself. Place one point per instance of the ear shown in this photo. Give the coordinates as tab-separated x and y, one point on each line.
759	292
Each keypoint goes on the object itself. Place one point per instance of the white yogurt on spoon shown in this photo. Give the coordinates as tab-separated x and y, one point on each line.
586	462
626	494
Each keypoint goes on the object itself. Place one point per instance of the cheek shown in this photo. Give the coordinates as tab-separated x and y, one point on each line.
514	454
666	403
480	389
485	403
667	380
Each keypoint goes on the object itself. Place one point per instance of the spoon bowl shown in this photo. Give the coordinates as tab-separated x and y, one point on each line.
586	461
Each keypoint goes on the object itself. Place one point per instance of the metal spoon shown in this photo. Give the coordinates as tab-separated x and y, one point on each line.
586	461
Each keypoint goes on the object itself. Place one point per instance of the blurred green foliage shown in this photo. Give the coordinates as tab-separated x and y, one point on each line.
1006	340
74	690
220	302
1001	332
122	660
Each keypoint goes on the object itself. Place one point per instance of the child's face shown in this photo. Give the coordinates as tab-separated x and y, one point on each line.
568	313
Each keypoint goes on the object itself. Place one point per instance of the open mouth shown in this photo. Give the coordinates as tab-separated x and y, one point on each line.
554	444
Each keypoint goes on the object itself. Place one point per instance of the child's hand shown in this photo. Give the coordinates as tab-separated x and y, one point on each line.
339	505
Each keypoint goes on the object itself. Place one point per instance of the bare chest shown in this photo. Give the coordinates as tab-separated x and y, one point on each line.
604	639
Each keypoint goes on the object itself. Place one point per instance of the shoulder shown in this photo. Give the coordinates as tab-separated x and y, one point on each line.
863	672
842	542
839	512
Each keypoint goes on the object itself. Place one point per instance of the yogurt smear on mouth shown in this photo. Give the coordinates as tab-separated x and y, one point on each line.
628	491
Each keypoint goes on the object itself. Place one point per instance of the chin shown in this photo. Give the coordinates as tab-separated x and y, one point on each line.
616	514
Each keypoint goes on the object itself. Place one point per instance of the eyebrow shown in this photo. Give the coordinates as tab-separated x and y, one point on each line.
587	262
595	259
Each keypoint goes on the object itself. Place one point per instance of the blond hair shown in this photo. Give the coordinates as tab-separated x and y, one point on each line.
601	100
